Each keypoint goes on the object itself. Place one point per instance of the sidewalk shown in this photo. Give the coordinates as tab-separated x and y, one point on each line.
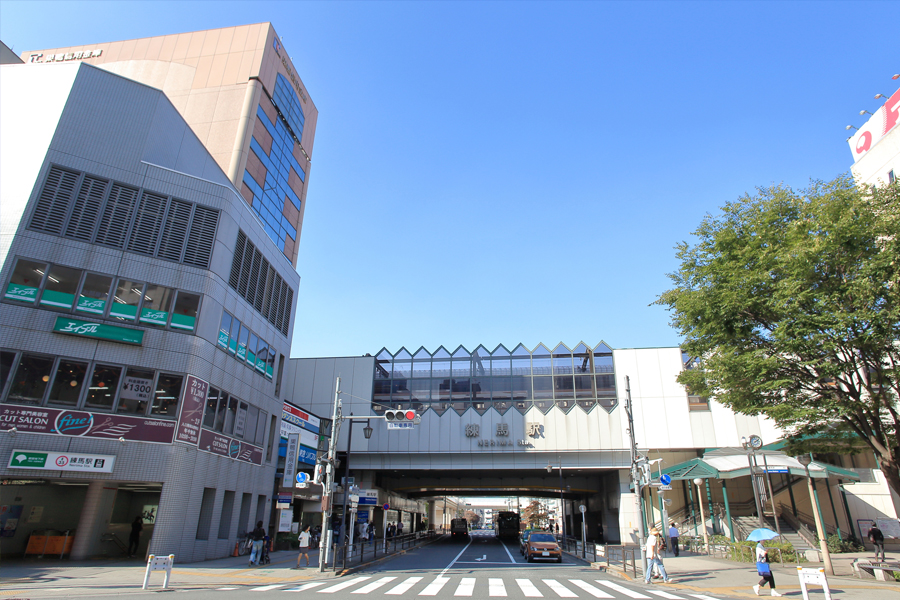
716	576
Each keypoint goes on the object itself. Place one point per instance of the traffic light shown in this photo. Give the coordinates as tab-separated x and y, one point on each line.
319	474
400	416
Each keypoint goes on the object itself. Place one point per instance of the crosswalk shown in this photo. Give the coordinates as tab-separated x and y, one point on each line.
467	587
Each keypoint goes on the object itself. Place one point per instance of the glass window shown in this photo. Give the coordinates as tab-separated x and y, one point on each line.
103	388
243	338
521	387
31	378
6	363
500	362
501	388
251	349
421	366
521	361
233	336
606	385
603	363
262	355
381	391
26	280
212	403
563	387
582	358
184	314
224	330
461	389
543	388
540	362
481	388
221	411
165	400
583	388
250	427
261	428
127	299
270	364
134	395
562	360
66	387
240	421
157	303
440	390
94	295
230	415
60	287
420	390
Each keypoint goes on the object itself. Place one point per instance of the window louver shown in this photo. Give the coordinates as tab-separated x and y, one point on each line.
145	232
289	301
279	311
116	216
53	203
202	236
245	269
86	212
260	284
235	275
254	277
174	234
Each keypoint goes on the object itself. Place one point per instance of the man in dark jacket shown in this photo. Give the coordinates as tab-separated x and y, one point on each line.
257	535
877	539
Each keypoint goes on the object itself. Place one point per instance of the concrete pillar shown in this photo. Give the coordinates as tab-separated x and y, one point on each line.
432	514
94	519
245	129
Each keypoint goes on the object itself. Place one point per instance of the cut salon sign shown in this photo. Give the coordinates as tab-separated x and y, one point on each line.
51	421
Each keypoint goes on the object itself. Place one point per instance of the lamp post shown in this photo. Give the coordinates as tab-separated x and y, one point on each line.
805	459
751	446
698	482
562	507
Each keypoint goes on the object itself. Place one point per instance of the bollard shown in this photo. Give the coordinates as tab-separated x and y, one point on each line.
815	577
159	563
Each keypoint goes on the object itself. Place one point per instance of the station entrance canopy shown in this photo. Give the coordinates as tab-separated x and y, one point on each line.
731	463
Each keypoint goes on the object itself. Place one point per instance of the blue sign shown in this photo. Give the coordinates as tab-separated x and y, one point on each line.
302	477
665	479
306	455
778	470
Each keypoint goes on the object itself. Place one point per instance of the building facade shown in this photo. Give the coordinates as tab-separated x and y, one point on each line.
126	247
876	146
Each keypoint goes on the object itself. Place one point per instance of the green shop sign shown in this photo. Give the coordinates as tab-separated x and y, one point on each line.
98	331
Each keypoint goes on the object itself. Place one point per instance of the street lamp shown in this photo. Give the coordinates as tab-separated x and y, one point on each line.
698	482
562	507
751	446
805	459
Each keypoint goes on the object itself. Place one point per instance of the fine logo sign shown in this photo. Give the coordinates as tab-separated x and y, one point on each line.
73	423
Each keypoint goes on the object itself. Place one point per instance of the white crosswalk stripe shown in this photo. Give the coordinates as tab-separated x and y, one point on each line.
435	586
623	590
666	595
306	586
590	589
529	589
403	587
344	585
703	597
266	588
561	590
221	589
466	587
496	587
374	585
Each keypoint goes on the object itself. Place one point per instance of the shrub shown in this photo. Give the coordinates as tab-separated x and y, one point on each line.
838	546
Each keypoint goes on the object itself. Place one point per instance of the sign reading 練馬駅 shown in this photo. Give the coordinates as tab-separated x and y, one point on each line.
100	331
61	461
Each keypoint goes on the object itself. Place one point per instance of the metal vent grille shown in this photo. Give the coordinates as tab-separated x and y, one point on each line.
239	245
279	310
202	236
261	286
116	216
174	234
288	302
147	224
86	212
254	277
53	203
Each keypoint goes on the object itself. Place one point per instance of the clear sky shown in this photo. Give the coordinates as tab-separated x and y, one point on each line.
511	172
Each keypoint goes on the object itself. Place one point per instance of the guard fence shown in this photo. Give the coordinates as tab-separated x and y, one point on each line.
359	553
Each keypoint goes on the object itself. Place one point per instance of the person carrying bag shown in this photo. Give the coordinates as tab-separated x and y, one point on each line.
764	570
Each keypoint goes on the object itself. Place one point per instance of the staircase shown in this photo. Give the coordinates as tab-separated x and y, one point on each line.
788	533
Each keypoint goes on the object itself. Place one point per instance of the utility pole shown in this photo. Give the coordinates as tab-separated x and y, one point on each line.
639	468
328	488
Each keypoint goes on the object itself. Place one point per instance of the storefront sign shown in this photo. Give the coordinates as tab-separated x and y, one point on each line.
368	497
136	388
52	421
25	293
878	126
192	402
307	438
306	455
80	55
222	445
290	459
61	461
100	331
300	418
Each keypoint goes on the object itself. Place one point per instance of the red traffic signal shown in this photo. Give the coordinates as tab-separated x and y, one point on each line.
400	416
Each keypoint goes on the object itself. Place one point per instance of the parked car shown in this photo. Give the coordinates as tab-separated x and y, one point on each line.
523	538
542	546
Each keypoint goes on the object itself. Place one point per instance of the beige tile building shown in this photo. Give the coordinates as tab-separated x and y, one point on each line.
240	93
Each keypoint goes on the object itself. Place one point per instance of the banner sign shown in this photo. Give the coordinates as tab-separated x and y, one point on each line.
307	438
100	331
303	419
52	421
61	461
878	126
368	497
193	400
306	455
216	443
290	458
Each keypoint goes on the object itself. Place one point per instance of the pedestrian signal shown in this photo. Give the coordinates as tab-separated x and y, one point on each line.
400	416
319	474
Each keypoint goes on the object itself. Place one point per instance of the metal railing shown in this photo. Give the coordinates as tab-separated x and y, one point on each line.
616	556
360	553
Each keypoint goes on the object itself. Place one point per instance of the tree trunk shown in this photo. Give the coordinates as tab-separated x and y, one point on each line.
891	470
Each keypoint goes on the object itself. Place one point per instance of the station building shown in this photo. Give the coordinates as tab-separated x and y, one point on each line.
152	194
876	145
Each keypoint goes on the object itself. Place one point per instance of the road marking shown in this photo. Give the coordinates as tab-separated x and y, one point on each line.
307	586
466	587
496	587
618	588
529	589
435	586
455	559
561	590
665	595
590	589
483	557
224	589
346	584
511	559
702	597
266	588
403	587
374	585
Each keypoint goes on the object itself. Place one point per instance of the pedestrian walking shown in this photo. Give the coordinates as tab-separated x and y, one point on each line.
877	539
653	548
764	570
305	539
673	535
134	540
257	536
399	528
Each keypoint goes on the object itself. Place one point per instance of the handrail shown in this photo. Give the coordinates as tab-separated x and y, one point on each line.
800	527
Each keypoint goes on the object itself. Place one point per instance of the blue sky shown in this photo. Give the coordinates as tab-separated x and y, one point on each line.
509	172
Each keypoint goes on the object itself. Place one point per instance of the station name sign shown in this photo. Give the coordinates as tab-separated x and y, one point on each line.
80	55
61	461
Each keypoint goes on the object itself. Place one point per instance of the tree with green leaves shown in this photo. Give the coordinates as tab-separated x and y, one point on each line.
791	303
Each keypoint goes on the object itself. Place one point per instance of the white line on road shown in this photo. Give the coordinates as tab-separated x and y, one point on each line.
702	597
374	585
561	590
590	589
220	589
266	588
435	586
529	589
466	587
511	559
403	587
624	590
496	587
307	586
346	584
455	559
667	595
